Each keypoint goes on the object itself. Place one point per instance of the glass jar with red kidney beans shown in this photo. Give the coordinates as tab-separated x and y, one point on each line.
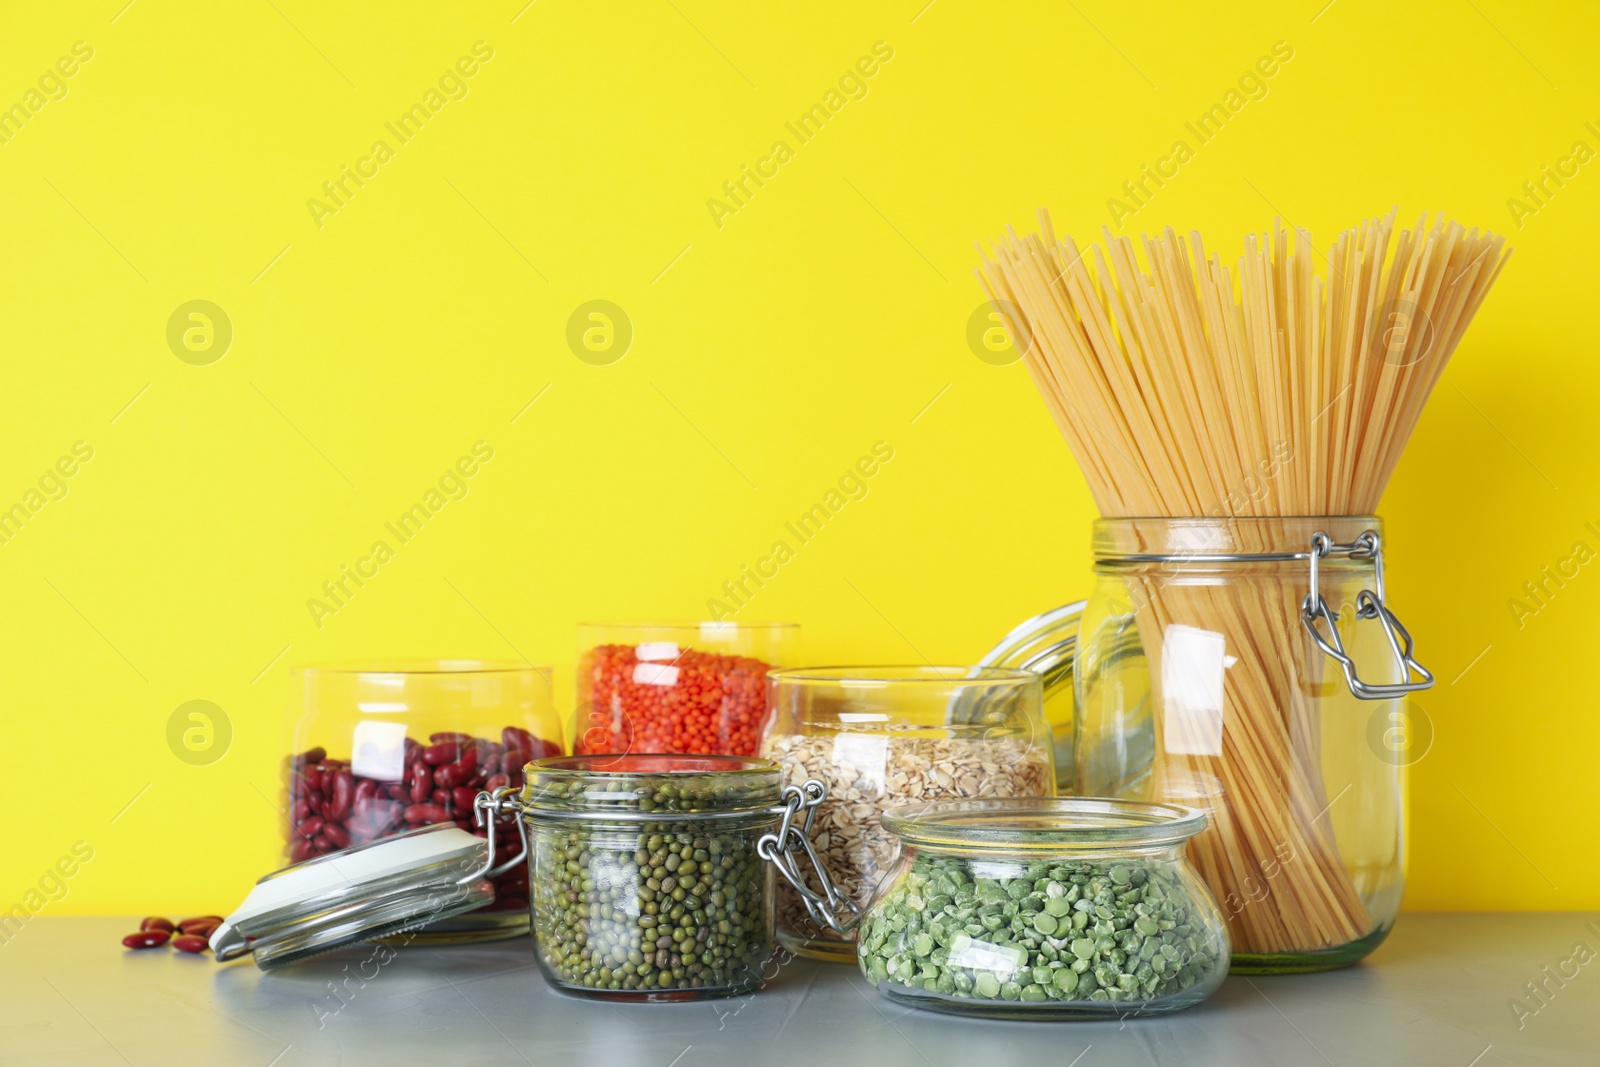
379	748
694	687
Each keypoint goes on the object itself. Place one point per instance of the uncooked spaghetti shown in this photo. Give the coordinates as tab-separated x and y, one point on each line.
1172	382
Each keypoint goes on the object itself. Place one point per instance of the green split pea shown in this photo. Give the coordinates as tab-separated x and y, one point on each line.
1045	931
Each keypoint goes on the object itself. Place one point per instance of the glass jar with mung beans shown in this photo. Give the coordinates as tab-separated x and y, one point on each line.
652	876
1044	908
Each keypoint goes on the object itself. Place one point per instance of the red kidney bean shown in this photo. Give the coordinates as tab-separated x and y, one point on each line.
366	788
314	778
516	737
465	798
312	755
446	752
425	813
184	924
310	828
322	843
146	939
496	781
514	759
314	802
300	850
337	834
398	792
421	784
441	797
300	812
450	735
341	790
190	943
156	922
201	927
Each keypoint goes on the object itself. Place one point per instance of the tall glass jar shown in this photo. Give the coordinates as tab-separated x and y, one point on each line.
378	748
1250	668
1052	908
692	687
880	736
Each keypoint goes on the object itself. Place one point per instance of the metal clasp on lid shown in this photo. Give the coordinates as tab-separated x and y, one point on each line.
484	809
830	907
1369	605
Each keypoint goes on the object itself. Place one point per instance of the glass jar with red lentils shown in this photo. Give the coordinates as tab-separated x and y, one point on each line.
693	687
379	748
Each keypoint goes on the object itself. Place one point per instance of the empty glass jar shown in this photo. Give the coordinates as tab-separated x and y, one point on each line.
1043	909
1251	668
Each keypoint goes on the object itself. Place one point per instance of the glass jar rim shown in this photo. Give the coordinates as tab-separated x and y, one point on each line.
897	674
1190	541
1030	823
689	624
651	764
556	784
421	665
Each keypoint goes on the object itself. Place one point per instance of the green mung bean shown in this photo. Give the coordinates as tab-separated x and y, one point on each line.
1123	931
655	907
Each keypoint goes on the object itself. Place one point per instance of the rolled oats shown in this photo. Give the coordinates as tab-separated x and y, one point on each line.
867	772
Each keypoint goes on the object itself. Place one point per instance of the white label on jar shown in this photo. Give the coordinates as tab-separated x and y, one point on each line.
657	650
655	674
1004	960
378	750
1192	665
866	756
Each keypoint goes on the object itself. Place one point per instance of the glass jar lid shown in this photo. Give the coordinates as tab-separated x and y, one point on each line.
635	785
372	890
1043	824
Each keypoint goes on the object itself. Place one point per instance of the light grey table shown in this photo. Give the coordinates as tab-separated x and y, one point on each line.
1438	992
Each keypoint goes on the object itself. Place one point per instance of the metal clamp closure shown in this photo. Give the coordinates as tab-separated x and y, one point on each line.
1321	621
485	809
829	907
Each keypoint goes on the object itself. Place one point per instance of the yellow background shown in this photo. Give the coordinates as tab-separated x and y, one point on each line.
768	355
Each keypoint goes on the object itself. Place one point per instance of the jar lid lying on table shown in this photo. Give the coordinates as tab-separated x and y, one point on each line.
370	891
1044	908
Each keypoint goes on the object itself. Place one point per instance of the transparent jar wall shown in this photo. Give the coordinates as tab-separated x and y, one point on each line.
917	944
1197	684
697	687
880	736
381	747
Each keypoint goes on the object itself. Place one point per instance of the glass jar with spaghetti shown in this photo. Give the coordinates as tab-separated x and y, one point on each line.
693	687
380	748
1251	668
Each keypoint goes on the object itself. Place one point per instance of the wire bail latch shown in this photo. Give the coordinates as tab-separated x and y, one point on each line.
1321	621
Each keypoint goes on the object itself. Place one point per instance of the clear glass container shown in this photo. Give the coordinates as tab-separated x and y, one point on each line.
379	748
879	736
694	687
647	879
1201	682
1051	908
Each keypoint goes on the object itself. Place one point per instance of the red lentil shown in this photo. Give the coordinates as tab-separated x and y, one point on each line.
698	702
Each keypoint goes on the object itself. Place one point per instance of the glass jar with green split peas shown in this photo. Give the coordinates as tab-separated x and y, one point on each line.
1044	908
652	875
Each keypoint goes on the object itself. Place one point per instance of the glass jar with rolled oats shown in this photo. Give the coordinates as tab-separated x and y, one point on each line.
881	736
